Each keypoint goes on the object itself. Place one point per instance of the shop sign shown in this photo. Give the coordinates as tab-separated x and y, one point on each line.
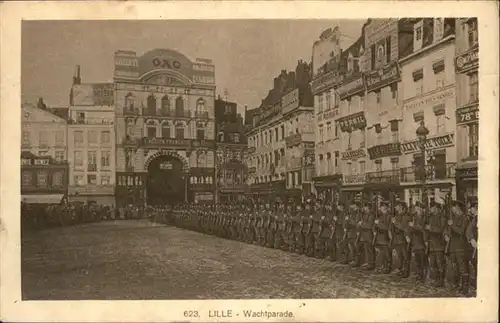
431	99
353	154
33	161
325	81
382	77
431	143
467	60
379	151
468	114
351	87
470	172
166	142
290	101
329	114
293	140
353	121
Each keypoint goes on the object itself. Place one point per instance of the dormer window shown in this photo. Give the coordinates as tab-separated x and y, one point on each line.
418	35
472	31
438	29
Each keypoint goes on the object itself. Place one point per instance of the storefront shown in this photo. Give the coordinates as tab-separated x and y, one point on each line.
467	184
268	192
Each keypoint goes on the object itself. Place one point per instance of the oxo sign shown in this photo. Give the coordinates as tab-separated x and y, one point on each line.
166	63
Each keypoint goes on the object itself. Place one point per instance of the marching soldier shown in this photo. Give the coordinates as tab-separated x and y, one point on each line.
278	227
415	239
365	240
435	241
309	226
458	245
299	230
291	228
381	238
399	228
323	232
350	235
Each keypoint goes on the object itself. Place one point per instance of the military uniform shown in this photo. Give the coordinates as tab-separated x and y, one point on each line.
458	244
416	236
471	235
381	230
365	247
398	229
350	235
435	241
323	233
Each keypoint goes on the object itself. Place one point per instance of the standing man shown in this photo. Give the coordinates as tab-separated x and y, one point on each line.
365	226
399	228
458	245
471	235
381	227
415	237
435	241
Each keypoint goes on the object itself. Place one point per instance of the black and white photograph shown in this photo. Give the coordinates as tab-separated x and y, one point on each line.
249	159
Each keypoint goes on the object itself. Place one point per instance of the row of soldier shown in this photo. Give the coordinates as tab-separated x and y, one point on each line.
364	234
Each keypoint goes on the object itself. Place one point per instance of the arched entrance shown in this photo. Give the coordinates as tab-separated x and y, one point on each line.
166	180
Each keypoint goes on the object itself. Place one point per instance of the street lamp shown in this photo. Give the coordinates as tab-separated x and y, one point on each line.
422	133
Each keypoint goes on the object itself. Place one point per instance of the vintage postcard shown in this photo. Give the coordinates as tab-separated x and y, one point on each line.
236	161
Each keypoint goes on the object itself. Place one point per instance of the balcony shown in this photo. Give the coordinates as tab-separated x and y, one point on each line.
432	173
166	113
354	179
233	186
201	114
131	111
92	168
391	177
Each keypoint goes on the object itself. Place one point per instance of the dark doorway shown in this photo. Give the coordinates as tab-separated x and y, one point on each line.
166	181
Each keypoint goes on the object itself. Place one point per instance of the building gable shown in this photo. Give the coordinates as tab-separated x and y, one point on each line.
33	114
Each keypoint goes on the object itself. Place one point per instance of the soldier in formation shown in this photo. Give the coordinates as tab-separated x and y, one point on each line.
363	234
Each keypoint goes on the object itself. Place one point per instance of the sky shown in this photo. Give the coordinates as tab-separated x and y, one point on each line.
247	54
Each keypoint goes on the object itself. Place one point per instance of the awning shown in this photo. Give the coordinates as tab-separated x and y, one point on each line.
42	198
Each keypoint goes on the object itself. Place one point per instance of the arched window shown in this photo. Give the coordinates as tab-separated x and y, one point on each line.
151	127
151	105
129	102
200	106
165	105
179	106
179	131
165	130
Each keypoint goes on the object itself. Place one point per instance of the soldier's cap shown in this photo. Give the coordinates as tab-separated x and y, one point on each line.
384	203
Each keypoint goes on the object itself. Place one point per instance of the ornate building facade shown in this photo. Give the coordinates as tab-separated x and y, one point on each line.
165	128
231	152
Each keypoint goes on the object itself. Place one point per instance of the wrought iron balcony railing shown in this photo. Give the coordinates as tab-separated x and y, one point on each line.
354	179
432	172
384	177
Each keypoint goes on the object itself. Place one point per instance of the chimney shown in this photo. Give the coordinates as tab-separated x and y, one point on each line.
41	104
77	79
246	108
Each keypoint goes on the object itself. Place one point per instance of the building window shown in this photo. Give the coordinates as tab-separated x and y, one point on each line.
41	180
78	160
378	165
57	179
337	156
349	107
418	36
78	180
165	130
321	134
92	179
200	134
418	79
105	158
151	128
236	137
395	136
105	180
78	138
394	164
27	179
129	102
380	138
394	91
473	133
151	103
105	137
362	142
336	130
81	118
92	161
282	131
377	98
329	164
179	106
165	105
59	138
270	136
43	140
320	103
179	131
328	100
440	124
362	167
26	138
473	87
200	105
92	137
328	130
349	140
472	32
361	102
59	156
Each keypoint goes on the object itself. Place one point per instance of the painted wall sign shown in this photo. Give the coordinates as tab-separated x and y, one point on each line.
98	94
353	154
379	151
468	114
166	63
353	121
382	77
351	87
379	29
325	82
430	99
327	115
432	143
464	173
467	60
